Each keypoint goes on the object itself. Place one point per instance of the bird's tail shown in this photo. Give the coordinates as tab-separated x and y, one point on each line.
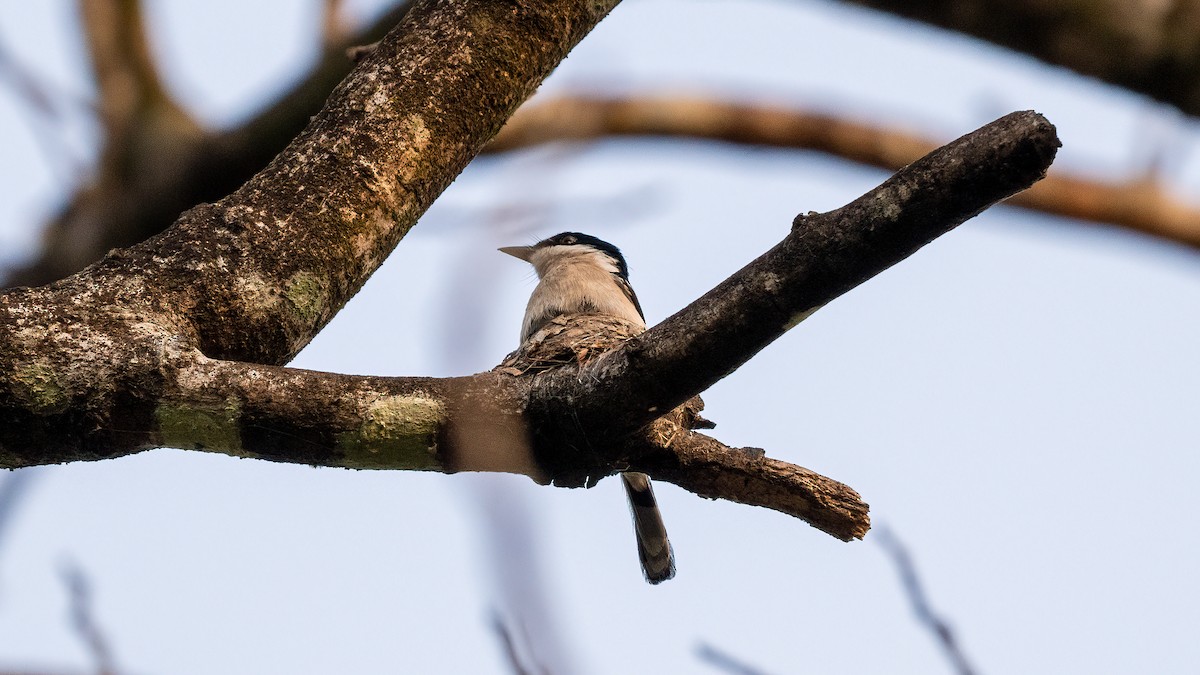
658	562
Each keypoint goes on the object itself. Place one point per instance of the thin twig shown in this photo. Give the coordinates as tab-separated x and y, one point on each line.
937	625
724	661
13	488
46	114
508	642
83	620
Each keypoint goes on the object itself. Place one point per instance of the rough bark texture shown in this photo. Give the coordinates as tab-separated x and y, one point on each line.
256	275
706	467
178	341
1146	46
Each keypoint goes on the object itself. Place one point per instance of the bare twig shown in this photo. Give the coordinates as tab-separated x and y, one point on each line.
1146	47
28	87
937	625
46	114
723	661
508	643
14	485
83	620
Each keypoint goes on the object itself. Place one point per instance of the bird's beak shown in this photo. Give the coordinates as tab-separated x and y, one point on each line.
522	252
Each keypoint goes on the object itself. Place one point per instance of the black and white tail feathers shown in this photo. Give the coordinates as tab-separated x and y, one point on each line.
654	550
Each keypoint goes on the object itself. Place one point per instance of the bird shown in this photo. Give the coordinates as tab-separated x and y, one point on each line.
579	274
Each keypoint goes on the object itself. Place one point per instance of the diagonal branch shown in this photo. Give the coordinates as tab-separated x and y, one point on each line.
824	256
941	629
279	257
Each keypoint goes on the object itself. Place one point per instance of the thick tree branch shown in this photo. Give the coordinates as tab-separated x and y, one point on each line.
254	277
326	419
141	349
276	259
1141	204
1146	46
824	256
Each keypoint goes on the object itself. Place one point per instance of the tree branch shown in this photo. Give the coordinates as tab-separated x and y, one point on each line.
1142	204
704	466
83	362
203	166
124	71
940	629
279	257
1146	46
333	22
824	256
140	349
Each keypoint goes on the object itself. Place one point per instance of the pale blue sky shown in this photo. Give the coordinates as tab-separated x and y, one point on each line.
1016	401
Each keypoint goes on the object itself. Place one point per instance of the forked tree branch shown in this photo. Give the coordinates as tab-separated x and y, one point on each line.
131	353
178	341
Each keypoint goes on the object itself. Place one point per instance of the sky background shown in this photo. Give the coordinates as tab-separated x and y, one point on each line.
1017	401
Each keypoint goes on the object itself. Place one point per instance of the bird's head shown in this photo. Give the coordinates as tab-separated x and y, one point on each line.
571	248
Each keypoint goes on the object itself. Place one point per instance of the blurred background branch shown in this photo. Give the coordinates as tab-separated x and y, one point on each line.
1141	204
157	161
1146	46
938	626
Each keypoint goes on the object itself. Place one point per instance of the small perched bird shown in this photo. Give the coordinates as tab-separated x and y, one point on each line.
582	275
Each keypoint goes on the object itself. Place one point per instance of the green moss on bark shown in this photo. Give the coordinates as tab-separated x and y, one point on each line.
308	296
37	386
189	427
400	432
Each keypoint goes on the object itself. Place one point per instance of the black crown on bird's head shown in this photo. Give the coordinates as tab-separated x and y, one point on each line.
579	239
